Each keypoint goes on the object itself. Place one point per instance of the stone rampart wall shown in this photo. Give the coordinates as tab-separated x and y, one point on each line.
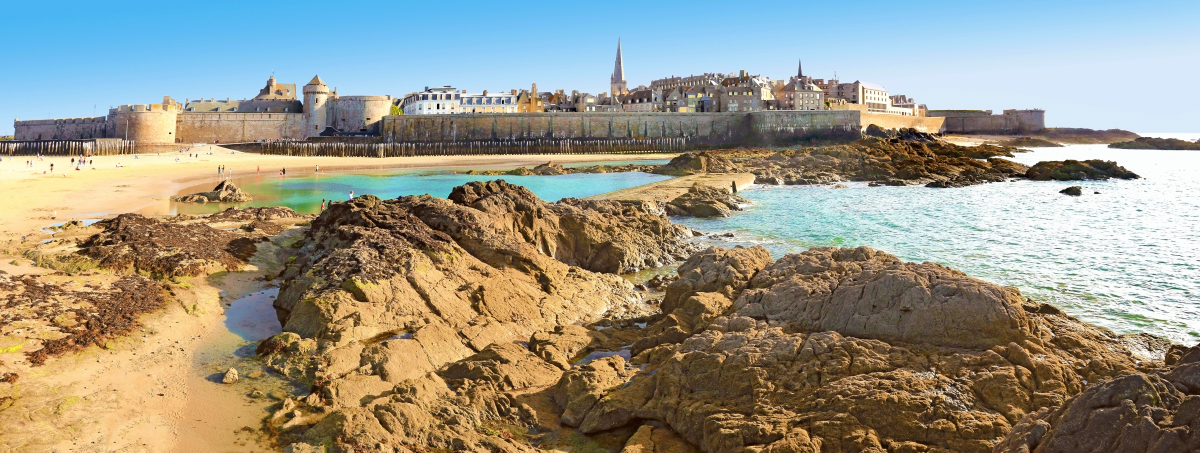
923	124
61	129
698	129
238	127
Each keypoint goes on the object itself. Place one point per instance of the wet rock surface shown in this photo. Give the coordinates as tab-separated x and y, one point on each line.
224	192
49	318
179	246
1073	191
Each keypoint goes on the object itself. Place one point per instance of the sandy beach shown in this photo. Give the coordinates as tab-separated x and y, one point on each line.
35	197
151	391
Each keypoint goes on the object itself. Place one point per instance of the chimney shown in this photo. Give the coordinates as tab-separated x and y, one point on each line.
485	92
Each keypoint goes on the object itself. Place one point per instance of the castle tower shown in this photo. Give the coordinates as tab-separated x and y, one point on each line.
617	85
316	107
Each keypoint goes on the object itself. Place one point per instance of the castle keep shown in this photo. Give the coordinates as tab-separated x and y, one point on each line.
274	114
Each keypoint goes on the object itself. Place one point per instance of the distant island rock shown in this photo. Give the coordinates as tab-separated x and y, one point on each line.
225	192
1073	191
1172	144
1083	136
1074	170
1030	142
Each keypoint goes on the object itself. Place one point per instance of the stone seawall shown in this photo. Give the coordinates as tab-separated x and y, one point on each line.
238	127
920	123
698	129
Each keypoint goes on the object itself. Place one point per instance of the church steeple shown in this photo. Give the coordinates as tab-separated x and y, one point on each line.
799	69
618	76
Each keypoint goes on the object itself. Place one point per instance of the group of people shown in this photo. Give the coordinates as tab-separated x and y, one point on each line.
325	202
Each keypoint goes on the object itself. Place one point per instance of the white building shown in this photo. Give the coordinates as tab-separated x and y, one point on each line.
488	103
444	100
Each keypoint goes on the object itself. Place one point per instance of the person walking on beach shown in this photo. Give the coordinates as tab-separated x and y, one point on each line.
318	169
51	168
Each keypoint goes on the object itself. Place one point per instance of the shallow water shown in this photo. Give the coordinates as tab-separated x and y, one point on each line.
304	193
1125	258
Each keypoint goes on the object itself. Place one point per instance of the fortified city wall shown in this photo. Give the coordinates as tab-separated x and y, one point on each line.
238	127
984	122
61	129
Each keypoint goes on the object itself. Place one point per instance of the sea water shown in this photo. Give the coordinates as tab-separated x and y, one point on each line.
304	193
1127	258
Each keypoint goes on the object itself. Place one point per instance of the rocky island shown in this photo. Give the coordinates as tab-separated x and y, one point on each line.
1172	144
224	192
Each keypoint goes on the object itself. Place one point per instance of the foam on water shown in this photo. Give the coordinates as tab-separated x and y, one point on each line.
1125	258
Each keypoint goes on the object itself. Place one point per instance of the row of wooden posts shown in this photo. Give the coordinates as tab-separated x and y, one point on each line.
476	147
105	147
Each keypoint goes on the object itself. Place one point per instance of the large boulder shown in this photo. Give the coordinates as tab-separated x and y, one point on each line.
224	192
698	164
705	201
597	235
869	294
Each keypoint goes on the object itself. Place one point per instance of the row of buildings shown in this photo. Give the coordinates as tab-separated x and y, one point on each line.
708	92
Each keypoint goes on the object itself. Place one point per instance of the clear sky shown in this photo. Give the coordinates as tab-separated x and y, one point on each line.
1097	64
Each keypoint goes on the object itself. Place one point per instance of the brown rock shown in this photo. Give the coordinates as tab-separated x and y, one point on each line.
224	192
705	201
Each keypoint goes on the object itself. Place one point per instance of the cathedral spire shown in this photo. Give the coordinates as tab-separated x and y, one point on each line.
799	69
617	84
619	68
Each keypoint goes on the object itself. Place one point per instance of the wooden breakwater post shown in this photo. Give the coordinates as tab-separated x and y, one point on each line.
89	147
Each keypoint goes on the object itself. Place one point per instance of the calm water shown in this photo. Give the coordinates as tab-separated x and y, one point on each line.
1127	258
304	194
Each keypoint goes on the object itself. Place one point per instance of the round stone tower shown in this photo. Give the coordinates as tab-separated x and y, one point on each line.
316	107
146	123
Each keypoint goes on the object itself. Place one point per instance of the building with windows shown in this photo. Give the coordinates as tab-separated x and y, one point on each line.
530	101
488	103
443	100
646	100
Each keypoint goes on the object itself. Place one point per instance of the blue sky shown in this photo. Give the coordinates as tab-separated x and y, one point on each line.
1130	65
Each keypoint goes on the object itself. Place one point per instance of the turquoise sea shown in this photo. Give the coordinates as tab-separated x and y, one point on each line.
304	193
1127	258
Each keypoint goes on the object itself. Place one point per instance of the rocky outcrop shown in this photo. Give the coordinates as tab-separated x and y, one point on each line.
1073	191
1158	412
705	201
906	133
846	350
888	161
1074	170
224	192
597	235
553	169
698	163
1158	143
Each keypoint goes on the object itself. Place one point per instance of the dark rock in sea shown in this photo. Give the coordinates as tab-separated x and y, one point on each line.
225	192
1074	191
906	134
1071	135
1074	170
1158	143
1030	142
888	161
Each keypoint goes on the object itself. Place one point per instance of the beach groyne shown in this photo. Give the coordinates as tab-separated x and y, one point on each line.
91	147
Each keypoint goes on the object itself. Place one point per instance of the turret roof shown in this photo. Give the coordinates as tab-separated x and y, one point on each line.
316	81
